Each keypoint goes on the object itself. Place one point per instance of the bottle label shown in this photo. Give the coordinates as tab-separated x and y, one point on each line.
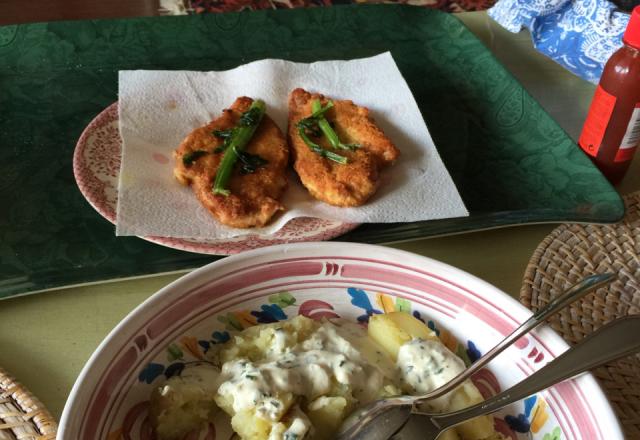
597	120
631	137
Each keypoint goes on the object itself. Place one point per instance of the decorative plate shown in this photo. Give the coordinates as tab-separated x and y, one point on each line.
177	325
96	166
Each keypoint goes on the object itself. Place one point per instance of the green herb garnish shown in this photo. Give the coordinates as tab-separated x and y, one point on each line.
249	163
237	141
319	150
192	156
310	126
317	124
251	117
223	134
327	129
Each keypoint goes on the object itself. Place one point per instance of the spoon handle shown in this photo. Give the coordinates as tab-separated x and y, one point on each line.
574	293
614	340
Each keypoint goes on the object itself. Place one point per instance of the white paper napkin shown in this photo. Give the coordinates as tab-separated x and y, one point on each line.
159	108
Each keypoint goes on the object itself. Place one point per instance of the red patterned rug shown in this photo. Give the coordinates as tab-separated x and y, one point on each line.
200	6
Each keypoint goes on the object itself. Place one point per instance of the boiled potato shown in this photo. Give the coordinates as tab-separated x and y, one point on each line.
481	427
258	343
225	402
255	343
183	403
250	427
392	330
326	413
449	434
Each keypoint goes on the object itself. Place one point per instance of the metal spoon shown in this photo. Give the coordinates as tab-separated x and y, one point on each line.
612	341
382	418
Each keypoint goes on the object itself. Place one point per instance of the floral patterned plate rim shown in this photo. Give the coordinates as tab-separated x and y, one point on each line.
96	167
181	322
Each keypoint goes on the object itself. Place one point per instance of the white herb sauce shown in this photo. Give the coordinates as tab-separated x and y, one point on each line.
307	369
425	365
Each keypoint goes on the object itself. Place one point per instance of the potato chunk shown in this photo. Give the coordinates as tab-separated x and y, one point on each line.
257	343
250	427
392	330
183	403
449	434
481	427
327	413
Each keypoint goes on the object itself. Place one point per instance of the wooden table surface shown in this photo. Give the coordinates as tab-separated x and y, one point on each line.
46	338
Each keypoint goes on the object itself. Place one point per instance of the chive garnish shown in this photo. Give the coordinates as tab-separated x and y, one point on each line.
237	141
317	124
190	157
326	128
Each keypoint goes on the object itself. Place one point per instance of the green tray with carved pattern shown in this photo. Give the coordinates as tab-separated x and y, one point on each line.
511	162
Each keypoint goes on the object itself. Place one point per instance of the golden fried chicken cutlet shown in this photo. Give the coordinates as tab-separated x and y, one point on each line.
253	197
351	183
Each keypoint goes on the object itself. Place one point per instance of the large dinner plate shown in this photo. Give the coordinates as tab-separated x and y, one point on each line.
178	324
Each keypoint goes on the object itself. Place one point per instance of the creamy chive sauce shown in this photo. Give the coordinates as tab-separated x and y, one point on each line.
424	366
311	369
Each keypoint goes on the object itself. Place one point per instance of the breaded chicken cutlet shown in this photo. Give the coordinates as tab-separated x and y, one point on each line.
253	196
340	184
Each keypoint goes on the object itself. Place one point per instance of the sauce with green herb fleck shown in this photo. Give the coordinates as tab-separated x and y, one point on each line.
424	366
312	368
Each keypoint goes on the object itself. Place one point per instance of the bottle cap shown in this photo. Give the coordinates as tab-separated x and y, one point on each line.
632	34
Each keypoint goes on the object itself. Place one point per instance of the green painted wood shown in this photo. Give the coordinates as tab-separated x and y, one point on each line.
511	162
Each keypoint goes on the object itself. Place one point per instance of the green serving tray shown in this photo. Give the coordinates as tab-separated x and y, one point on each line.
511	162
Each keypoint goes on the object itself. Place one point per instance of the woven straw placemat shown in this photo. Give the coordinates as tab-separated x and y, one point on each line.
22	416
572	252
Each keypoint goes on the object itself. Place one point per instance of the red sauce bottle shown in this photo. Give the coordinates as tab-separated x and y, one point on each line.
611	132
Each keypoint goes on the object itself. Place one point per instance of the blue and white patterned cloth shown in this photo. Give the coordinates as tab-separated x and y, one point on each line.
578	34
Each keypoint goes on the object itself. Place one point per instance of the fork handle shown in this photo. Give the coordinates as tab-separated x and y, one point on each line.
612	341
